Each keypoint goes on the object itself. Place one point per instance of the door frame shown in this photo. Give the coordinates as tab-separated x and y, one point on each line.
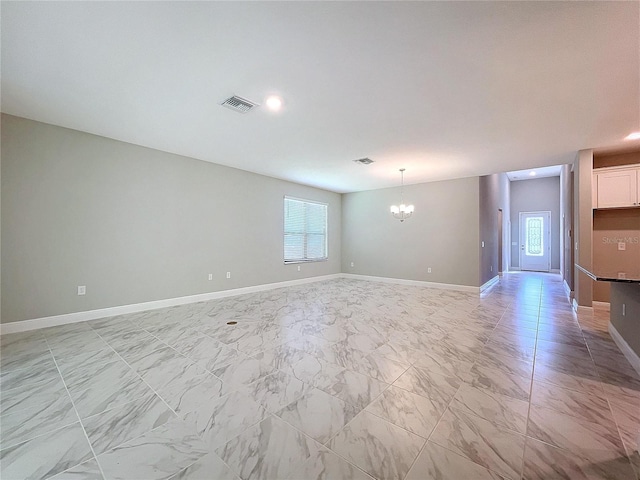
500	239
547	238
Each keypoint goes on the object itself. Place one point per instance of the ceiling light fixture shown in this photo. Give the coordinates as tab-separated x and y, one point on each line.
403	211
274	103
633	136
532	173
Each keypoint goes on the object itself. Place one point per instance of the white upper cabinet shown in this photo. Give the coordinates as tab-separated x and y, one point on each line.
616	187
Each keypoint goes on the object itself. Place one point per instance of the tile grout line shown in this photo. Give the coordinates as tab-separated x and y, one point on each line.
323	445
533	372
165	402
138	375
538	326
445	411
607	396
77	414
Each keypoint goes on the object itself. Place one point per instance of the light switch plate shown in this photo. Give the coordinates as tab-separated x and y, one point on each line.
622	246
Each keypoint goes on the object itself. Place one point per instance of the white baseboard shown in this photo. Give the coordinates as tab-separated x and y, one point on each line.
514	269
603	306
53	321
490	283
624	347
567	289
418	283
581	309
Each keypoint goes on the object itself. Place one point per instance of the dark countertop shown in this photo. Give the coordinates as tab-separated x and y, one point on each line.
603	275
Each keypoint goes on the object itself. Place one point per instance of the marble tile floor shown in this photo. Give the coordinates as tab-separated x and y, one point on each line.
343	379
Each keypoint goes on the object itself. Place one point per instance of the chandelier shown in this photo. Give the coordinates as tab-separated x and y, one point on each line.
403	211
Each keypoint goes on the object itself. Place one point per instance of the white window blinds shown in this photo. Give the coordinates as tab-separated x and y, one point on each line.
305	230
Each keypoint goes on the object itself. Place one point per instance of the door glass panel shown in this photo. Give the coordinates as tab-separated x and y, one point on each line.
534	245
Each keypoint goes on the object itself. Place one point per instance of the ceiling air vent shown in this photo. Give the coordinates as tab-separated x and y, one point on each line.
239	104
364	161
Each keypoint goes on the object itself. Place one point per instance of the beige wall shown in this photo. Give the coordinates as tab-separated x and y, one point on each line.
134	224
609	227
442	234
614	160
583	226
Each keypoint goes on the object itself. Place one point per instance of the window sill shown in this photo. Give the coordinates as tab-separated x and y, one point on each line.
292	262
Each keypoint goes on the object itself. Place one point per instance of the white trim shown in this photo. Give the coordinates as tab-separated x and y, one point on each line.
490	283
581	309
568	291
514	269
33	324
624	347
603	306
555	270
418	283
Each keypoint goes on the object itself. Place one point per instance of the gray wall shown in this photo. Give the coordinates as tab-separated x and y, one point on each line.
134	224
443	233
566	224
494	195
541	194
628	325
505	204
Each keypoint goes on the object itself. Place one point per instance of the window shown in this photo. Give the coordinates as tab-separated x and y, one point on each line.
533	241
305	230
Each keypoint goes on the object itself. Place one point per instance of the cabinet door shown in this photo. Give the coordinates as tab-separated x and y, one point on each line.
618	188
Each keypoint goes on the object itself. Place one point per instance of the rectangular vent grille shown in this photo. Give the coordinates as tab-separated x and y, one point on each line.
364	161
239	104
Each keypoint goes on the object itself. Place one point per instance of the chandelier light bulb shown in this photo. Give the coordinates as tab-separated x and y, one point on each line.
403	211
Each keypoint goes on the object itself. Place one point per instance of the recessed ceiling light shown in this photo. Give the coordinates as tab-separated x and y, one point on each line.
274	103
633	136
532	173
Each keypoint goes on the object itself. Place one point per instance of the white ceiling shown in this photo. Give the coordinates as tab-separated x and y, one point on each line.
444	89
541	172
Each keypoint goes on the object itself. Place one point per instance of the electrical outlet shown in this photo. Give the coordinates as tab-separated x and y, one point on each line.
624	310
298	267
429	270
82	290
491	268
352	264
482	244
622	246
228	274
211	276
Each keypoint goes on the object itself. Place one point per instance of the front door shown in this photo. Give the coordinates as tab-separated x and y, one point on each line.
535	241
